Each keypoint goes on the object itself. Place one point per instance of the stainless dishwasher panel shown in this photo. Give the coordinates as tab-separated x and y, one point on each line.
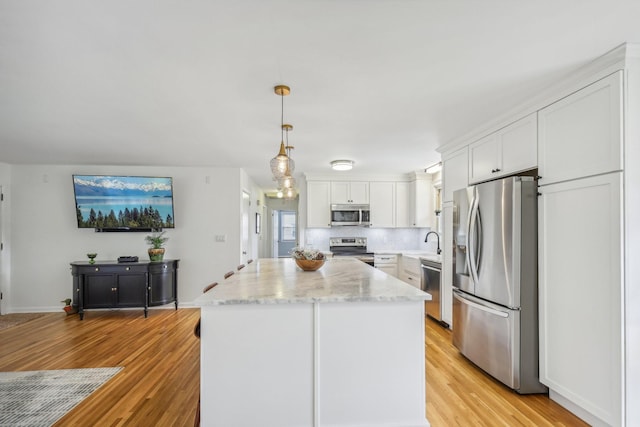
432	284
488	335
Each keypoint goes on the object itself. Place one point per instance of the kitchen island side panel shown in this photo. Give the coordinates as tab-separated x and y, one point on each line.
317	364
256	365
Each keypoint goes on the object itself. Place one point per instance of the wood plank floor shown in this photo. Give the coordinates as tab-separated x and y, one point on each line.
159	384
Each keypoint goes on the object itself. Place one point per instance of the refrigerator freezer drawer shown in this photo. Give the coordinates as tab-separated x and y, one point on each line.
488	335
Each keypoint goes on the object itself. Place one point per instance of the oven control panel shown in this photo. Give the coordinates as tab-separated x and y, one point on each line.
348	241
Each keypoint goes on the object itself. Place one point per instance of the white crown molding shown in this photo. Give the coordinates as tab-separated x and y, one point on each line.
616	59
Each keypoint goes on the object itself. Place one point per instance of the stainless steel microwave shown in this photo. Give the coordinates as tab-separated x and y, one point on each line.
350	215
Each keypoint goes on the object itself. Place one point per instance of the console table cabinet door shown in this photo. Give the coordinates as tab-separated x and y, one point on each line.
99	291
162	284
131	290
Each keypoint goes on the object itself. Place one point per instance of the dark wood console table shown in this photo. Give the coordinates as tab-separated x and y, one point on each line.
110	284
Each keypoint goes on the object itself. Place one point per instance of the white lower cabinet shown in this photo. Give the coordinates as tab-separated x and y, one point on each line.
387	263
410	271
580	288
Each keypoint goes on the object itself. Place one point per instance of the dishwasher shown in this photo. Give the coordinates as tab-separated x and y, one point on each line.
432	284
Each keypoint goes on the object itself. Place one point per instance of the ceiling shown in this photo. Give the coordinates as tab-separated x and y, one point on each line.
190	83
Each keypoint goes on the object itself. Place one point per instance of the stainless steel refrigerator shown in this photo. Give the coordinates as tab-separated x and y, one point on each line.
495	283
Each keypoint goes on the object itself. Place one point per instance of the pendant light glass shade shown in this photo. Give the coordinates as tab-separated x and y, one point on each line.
280	163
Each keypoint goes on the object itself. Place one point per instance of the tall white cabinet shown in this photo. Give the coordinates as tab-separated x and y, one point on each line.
580	254
580	249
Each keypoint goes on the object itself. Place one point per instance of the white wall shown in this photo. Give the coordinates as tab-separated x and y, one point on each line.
44	237
5	237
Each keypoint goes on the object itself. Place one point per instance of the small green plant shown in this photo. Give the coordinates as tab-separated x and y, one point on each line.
66	301
156	240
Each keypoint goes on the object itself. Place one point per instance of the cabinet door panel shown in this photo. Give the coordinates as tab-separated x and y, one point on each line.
340	192
455	173
359	192
404	204
580	135
161	287
580	290
382	204
318	204
519	146
132	290
99	291
483	158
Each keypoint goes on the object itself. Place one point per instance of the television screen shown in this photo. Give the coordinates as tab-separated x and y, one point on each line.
123	202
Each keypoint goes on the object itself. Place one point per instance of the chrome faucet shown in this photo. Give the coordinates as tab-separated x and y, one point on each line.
426	239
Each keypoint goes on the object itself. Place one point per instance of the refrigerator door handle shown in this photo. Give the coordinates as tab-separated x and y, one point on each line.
466	300
472	238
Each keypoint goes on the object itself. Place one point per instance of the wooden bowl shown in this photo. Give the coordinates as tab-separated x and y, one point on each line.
310	264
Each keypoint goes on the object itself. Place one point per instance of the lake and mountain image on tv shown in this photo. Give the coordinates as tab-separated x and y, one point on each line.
123	202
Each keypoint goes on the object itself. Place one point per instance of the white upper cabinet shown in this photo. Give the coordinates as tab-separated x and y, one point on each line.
422	206
404	218
414	204
580	135
509	150
318	204
346	192
382	203
455	168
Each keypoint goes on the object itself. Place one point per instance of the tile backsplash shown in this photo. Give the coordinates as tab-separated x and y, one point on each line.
378	239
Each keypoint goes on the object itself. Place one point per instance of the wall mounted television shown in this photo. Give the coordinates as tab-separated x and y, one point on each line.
123	203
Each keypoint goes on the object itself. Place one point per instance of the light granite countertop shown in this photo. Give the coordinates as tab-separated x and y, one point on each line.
422	254
281	281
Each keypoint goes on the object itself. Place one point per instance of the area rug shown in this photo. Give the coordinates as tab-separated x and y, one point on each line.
40	398
13	319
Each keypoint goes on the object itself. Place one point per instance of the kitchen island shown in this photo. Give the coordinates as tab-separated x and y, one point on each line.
343	345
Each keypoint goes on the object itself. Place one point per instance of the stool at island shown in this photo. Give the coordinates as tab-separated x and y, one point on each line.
110	284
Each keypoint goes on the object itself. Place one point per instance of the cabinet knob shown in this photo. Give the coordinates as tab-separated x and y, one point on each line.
128	268
165	266
97	269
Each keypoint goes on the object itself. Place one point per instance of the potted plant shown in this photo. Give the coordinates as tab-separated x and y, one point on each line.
156	240
68	308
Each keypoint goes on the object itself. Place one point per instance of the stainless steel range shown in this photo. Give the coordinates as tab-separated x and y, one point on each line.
354	247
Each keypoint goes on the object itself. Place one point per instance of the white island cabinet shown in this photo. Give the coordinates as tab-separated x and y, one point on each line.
340	346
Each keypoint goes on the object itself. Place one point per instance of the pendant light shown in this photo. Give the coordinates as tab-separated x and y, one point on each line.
287	181
281	163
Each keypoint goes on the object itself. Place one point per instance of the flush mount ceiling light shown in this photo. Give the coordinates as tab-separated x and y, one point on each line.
281	163
342	165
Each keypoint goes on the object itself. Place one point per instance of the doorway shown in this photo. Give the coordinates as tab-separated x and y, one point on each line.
285	225
246	228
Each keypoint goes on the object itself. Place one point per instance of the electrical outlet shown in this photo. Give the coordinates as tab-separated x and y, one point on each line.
221	237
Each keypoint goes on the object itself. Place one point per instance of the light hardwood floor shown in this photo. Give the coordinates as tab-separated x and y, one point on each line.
160	380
